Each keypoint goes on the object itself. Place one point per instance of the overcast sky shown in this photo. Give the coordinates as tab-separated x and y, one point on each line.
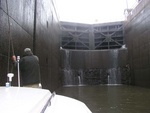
92	11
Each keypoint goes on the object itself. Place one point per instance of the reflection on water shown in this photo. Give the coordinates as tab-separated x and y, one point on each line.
111	99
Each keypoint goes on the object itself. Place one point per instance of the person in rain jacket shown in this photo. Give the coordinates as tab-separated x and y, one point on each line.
30	69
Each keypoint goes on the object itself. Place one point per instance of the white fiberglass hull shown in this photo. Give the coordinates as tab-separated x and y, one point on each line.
32	100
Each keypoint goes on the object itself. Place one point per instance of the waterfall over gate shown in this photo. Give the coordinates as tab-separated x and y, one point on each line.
114	75
93	67
71	76
68	74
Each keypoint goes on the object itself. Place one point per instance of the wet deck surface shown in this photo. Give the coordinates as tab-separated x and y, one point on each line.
111	99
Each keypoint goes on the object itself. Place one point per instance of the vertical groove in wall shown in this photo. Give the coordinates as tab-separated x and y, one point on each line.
34	27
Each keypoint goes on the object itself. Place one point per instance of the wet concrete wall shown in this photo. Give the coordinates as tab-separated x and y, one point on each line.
94	66
93	58
137	36
34	24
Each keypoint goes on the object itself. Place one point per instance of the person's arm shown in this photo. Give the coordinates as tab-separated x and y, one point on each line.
14	60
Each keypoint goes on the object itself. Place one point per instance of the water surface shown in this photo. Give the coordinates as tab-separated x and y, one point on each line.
111	98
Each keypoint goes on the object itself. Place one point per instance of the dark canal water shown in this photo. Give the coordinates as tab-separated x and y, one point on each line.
111	99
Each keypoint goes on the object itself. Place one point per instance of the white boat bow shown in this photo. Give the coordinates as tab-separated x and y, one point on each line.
32	100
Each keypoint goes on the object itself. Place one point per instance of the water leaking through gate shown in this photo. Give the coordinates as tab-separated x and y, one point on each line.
106	69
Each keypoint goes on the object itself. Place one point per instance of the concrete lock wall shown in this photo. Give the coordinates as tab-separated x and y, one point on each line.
137	36
34	24
90	67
